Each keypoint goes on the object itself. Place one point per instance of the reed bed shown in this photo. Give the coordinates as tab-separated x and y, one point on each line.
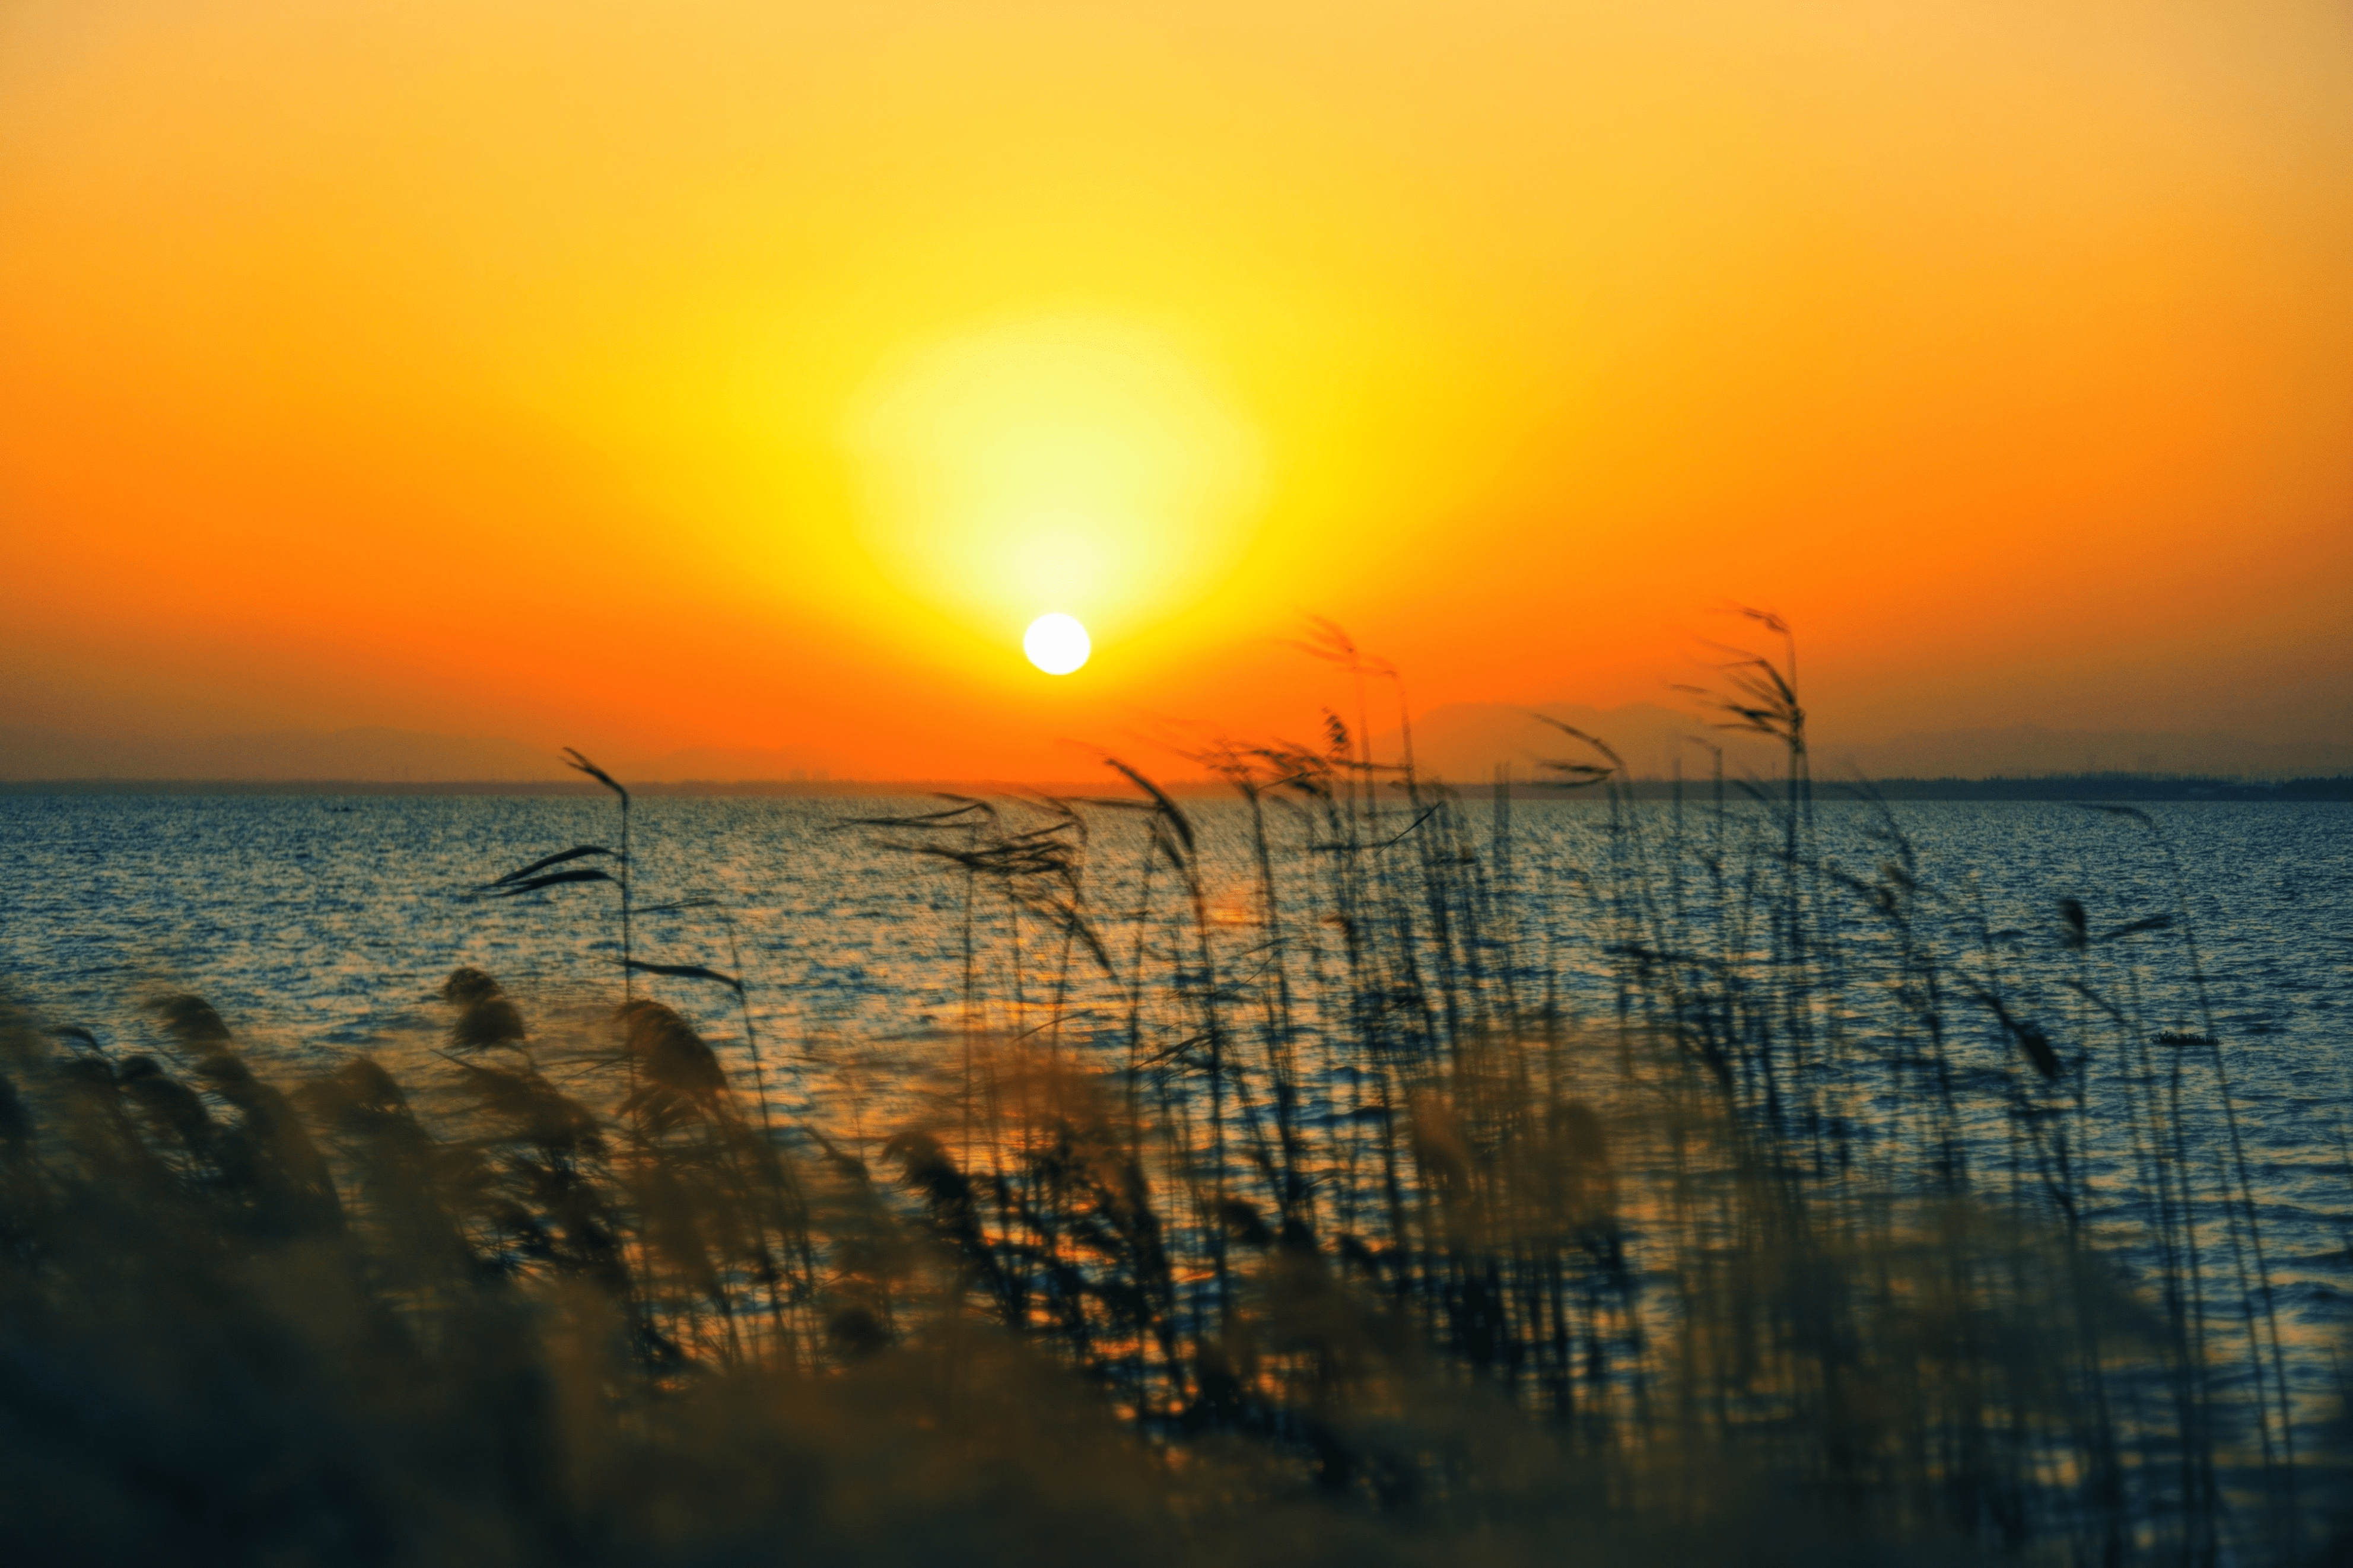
1325	1230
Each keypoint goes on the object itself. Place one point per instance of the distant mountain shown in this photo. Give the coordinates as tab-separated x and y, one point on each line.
1465	742
2027	751
373	754
719	764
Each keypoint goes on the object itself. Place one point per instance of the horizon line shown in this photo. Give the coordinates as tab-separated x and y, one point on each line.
2072	785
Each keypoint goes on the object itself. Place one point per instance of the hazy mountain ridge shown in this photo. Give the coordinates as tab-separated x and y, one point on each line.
375	753
1465	742
2030	749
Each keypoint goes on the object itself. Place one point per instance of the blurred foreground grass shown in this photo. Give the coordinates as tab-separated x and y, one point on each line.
554	1295
1862	1232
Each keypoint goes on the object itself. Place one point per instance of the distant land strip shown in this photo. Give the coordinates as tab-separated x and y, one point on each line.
2089	787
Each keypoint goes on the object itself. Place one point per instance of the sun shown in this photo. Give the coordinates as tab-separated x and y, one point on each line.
1056	643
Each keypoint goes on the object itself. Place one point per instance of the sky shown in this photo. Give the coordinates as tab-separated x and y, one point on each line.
730	373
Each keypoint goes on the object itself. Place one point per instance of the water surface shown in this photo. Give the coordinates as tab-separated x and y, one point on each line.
318	925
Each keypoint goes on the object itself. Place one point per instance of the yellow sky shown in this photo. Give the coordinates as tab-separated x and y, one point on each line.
731	373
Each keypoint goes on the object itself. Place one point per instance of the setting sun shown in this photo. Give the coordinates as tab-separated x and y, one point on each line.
1056	644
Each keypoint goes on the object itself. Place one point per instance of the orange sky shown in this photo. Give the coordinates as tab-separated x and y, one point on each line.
746	374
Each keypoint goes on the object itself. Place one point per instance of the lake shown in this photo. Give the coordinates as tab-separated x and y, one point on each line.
320	924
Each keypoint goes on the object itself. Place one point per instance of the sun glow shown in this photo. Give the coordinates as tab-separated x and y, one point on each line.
1079	461
1056	643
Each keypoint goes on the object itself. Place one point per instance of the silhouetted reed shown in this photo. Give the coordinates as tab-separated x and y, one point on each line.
1278	1207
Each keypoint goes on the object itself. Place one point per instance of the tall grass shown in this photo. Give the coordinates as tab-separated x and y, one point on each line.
1337	1233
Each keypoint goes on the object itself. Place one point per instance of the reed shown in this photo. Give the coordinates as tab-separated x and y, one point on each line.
1275	1206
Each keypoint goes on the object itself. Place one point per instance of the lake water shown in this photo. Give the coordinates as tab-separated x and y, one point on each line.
320	924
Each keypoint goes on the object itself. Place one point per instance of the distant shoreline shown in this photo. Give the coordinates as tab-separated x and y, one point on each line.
2059	787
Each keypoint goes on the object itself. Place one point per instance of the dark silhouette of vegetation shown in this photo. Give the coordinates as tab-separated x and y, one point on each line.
1345	1241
